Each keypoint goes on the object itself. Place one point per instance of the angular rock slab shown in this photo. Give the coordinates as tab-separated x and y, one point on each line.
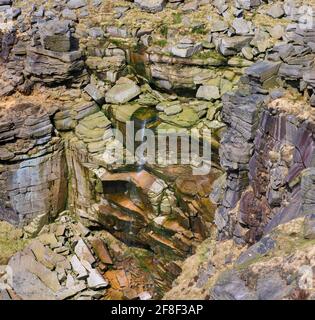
30	279
122	92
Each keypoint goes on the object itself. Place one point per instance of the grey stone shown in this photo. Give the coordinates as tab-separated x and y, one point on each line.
221	6
53	67
69	14
4	295
96	280
97	3
231	287
191	6
261	41
184	50
95	93
58	43
83	252
263	70
55	35
96	32
231	46
83	12
247	4
40	12
172	110
29	287
45	172
219	187
272	287
219	26
5	2
66	293
76	4
241	26
277	93
260	248
78	268
145	296
277	32
122	92
247	53
6	90
276	11
208	92
30	279
290	71
13	13
204	275
309	226
308	190
151	5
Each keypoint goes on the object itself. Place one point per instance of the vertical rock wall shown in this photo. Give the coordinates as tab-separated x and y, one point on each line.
33	168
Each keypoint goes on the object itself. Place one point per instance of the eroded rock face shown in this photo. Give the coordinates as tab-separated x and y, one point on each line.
90	67
271	157
32	165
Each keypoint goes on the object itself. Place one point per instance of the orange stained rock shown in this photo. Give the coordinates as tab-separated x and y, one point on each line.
142	179
117	279
101	251
172	172
110	211
162	240
173	225
114	294
124	201
122	278
193	185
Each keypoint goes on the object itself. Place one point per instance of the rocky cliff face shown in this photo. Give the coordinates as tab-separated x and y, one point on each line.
96	225
33	165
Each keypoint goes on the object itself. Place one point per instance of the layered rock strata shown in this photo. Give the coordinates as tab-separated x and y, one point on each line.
32	165
74	71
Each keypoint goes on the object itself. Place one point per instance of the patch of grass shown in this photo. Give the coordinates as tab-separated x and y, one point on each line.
201	29
164	30
117	42
177	18
252	261
10	242
210	54
161	43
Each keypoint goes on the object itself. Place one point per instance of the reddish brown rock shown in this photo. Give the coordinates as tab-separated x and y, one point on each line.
101	251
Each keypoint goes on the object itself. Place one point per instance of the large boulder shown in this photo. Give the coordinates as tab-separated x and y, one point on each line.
208	92
231	46
123	91
55	35
53	67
